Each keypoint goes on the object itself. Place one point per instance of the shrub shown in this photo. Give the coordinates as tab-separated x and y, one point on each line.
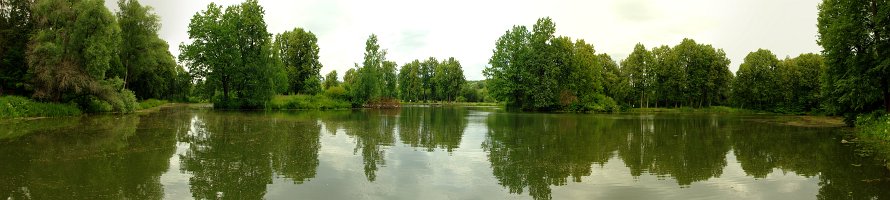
16	106
151	103
337	92
307	102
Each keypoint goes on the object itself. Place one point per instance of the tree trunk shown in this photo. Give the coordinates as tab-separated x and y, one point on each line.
885	89
225	83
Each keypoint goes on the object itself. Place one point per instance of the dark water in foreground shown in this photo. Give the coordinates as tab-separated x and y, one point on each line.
428	153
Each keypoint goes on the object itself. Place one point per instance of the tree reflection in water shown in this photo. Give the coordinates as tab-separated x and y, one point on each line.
537	151
232	155
90	157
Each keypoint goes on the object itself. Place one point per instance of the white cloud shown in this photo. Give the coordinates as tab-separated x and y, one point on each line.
467	29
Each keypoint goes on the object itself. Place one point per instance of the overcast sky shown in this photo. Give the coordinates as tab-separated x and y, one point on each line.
467	29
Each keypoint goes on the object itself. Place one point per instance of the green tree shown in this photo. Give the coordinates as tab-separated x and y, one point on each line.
145	63
390	80
410	81
757	81
71	50
806	92
427	70
330	80
855	36
232	52
614	83
369	83
534	70
299	54
16	25
669	75
638	67
448	79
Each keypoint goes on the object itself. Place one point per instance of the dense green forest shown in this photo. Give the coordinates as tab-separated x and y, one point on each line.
79	53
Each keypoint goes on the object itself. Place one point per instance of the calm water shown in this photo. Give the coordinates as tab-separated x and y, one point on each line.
428	153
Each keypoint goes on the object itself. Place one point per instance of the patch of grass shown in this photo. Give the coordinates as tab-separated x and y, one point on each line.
151	103
874	130
18	107
453	103
712	109
306	102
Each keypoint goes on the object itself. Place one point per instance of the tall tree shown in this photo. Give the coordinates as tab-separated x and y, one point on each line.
390	79
427	70
69	58
757	81
855	36
16	25
232	52
410	83
448	79
330	80
535	70
145	62
299	53
638	68
369	80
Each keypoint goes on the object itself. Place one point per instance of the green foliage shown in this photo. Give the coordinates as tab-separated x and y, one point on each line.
448	78
639	68
787	86
411	82
330	80
799	80
232	52
534	70
375	80
688	74
431	80
755	86
337	92
874	130
875	125
72	48
308	102
390	80
474	91
855	36
151	103
16	25
298	51
144	61
16	106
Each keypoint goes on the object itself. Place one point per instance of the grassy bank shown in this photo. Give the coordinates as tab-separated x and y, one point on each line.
873	130
712	109
18	107
151	103
307	102
452	103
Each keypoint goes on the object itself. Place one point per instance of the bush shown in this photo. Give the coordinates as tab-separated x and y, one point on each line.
15	106
874	126
337	92
307	102
151	103
595	103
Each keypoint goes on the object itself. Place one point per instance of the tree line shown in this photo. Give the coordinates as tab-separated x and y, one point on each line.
535	70
237	63
78	51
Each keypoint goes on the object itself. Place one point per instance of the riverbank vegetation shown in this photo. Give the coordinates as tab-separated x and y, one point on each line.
80	53
19	107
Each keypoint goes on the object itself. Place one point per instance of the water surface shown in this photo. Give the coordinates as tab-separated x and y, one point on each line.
429	153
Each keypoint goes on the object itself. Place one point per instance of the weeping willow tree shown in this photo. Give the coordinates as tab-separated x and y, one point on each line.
73	45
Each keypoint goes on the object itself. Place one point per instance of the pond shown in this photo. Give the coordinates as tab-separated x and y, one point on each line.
182	152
